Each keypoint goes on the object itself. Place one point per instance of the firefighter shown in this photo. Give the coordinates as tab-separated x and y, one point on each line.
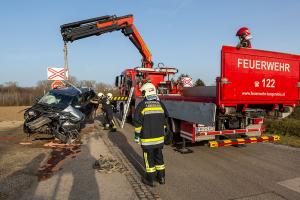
244	38
150	120
108	111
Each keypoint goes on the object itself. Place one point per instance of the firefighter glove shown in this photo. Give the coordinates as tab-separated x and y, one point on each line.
137	138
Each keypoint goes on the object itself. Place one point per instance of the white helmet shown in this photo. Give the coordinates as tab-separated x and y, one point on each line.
109	95
148	89
100	94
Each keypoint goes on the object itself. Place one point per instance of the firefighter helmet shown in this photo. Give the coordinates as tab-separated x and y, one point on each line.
109	95
100	94
244	33
148	89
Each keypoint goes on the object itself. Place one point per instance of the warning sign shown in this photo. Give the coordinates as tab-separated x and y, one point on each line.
57	84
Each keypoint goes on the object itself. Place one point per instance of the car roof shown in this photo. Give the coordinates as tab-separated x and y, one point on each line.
71	91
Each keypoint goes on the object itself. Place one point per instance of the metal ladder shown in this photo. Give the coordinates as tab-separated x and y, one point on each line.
126	107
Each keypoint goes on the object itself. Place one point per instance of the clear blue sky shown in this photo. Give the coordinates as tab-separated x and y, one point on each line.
187	34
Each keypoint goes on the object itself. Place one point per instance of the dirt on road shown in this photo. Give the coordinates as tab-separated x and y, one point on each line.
40	168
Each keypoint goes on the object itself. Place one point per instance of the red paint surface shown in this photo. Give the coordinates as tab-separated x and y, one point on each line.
271	78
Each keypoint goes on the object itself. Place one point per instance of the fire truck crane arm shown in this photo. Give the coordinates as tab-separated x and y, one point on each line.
105	24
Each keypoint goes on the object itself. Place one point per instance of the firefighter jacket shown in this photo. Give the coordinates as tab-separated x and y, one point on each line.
150	121
106	106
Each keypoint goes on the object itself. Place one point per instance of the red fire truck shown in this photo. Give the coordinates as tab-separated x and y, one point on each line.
252	84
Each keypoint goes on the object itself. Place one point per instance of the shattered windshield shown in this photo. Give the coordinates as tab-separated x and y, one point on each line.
55	99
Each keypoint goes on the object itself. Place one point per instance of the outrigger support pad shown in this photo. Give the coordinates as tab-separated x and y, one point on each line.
183	149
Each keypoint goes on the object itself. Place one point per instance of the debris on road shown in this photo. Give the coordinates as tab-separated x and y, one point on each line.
25	143
108	165
54	144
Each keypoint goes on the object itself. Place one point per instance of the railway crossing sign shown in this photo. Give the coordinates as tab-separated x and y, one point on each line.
56	74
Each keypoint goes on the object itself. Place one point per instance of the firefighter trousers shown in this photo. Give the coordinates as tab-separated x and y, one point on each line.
154	163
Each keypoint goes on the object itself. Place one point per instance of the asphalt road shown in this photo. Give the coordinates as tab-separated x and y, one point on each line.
256	171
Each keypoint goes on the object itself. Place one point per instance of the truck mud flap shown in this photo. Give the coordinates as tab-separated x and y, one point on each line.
221	143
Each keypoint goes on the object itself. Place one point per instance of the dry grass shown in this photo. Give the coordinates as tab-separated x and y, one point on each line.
12	113
293	141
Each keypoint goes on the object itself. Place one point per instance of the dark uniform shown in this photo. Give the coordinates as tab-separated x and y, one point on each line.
150	120
107	108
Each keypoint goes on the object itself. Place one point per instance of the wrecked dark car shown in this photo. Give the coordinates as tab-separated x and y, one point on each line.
60	113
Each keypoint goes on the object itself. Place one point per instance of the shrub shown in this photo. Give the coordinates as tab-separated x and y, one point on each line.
289	126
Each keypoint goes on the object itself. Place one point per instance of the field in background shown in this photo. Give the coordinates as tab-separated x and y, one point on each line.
12	113
11	116
11	94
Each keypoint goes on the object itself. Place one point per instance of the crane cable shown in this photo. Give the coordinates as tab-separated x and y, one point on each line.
66	66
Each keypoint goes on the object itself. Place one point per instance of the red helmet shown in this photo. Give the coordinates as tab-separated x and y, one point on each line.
244	31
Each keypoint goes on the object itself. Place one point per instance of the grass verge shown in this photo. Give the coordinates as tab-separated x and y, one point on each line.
293	141
288	129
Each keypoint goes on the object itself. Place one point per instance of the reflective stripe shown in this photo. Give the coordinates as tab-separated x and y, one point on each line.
153	139
151	143
160	167
138	129
152	110
146	160
148	169
240	139
265	137
276	137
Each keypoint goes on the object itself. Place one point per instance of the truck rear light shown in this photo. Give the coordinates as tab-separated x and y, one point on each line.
258	120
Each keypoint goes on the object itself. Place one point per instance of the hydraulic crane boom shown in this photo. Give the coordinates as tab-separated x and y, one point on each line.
105	24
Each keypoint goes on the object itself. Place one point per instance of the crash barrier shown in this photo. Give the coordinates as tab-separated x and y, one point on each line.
120	98
220	143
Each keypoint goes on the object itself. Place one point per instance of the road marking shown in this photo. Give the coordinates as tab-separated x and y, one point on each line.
292	184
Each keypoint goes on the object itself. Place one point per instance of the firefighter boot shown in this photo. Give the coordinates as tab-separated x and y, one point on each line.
113	127
162	180
148	182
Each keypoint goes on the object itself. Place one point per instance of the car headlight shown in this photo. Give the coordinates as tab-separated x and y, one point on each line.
31	113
